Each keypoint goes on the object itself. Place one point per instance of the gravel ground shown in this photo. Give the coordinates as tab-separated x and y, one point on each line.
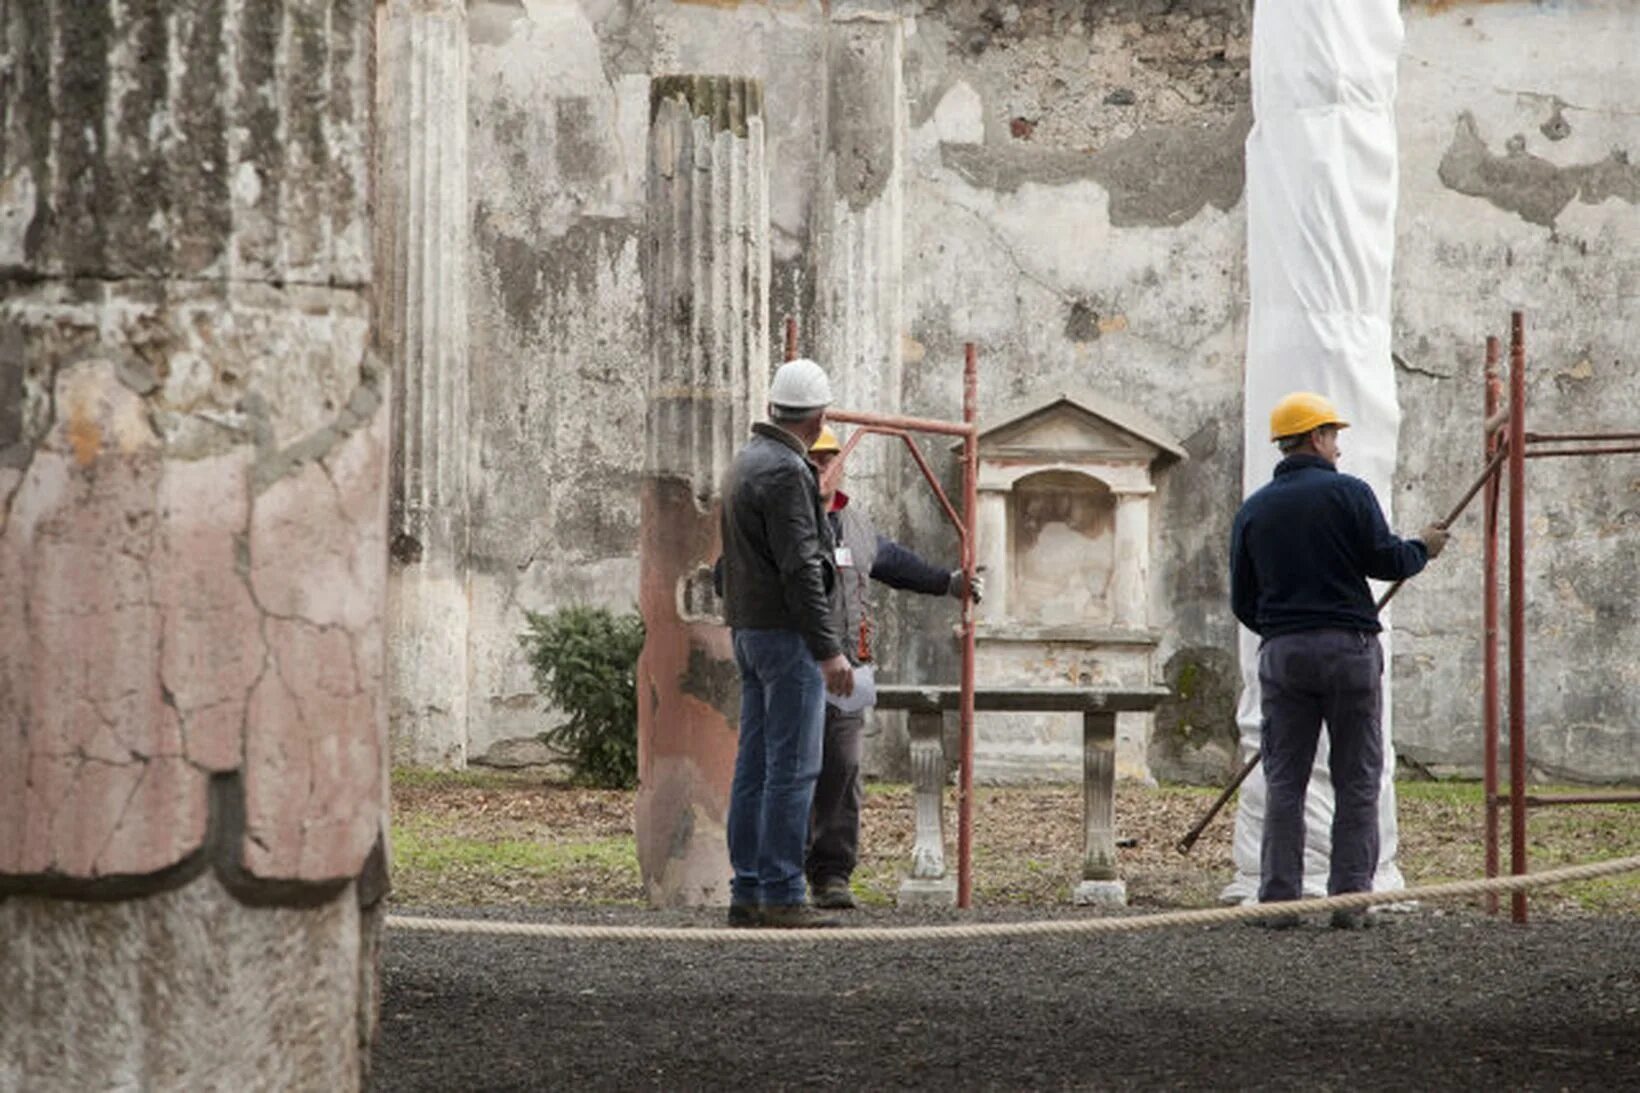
1423	1000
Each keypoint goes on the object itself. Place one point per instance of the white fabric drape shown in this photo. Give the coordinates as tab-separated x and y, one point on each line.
1321	194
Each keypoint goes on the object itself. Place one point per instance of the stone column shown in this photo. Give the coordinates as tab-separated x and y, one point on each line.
193	459
421	295
1130	582
708	288
859	232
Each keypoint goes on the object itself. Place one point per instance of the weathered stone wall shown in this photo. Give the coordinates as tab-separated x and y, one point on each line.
1074	208
559	119
193	447
1517	130
1069	177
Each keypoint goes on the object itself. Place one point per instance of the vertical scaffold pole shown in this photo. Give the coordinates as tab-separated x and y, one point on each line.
1490	439
970	505
1517	607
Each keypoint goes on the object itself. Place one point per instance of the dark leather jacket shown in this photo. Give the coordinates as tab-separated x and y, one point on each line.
778	566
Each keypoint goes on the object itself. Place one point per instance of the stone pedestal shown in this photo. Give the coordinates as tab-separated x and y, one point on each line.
930	884
193	467
1099	883
708	380
421	332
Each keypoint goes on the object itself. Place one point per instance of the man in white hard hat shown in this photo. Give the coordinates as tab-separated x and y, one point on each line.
778	575
1301	551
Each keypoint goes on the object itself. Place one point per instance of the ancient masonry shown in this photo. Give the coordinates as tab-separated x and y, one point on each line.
193	469
421	314
708	316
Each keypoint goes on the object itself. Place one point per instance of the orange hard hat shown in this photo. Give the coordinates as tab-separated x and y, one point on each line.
1301	411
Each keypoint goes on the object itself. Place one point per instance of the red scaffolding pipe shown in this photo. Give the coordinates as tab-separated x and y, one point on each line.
1517	607
1517	451
964	523
970	506
1490	443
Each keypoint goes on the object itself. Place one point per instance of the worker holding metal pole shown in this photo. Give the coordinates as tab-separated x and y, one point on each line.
1302	549
863	555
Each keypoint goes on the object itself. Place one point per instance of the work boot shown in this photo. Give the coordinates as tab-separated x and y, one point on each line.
795	916
834	894
1350	918
744	915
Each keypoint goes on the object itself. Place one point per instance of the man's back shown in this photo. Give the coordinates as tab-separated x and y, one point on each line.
776	546
1303	547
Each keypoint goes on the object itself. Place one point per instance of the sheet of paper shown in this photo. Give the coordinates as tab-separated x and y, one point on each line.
865	691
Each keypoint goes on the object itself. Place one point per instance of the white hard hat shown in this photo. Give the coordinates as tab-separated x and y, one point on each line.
800	385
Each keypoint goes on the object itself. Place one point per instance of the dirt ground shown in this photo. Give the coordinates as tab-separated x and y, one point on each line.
1428	998
487	839
1425	1000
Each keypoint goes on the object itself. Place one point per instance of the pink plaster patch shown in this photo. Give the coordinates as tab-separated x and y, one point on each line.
164	820
313	758
318	537
213	650
82	673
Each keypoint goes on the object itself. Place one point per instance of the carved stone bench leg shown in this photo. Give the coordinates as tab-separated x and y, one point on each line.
1099	883
928	885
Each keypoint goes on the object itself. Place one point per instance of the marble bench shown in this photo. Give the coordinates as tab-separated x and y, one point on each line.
930	884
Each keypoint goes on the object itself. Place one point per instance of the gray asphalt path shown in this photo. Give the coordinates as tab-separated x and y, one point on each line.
1420	1001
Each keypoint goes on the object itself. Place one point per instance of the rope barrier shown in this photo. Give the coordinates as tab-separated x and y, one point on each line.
1038	928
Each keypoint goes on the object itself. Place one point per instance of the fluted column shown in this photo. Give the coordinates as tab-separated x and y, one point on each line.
708	289
859	231
193	467
422	243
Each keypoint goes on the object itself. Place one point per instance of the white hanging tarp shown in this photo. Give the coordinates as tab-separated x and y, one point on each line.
1321	192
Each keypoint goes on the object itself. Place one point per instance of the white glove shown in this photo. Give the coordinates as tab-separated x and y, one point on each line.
959	586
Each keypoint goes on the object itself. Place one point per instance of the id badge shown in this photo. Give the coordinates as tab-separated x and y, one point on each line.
845	558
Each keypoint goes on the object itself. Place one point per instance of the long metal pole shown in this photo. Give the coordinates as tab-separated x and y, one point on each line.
1517	608
970	505
1489	625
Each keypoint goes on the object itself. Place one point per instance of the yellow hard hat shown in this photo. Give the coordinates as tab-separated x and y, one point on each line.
826	442
1301	411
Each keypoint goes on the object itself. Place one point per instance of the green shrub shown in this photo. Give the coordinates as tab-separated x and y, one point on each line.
585	661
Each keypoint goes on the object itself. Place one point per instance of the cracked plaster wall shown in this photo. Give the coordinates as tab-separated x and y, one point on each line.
1517	123
1073	203
192	505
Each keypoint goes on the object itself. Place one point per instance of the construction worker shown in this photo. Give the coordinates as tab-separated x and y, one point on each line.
778	577
1301	551
862	555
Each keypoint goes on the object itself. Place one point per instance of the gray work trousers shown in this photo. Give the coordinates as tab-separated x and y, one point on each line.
834	823
1307	678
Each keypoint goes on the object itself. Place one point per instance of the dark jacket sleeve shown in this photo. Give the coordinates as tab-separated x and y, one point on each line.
1243	578
791	523
1388	557
899	567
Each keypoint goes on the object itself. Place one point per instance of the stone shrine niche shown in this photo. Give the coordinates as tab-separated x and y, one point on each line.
1063	550
1064	531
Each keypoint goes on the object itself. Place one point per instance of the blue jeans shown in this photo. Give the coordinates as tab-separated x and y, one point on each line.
1307	678
782	706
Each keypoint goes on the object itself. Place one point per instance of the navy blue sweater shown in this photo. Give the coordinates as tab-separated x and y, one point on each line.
1303	547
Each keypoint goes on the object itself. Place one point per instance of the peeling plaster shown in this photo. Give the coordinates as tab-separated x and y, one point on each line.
1528	185
1159	177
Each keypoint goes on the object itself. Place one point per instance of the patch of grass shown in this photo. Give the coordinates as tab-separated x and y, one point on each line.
425	850
1462	794
471	778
